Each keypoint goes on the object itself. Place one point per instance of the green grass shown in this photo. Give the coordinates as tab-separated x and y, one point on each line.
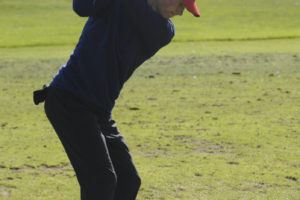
208	126
241	20
49	23
174	49
216	112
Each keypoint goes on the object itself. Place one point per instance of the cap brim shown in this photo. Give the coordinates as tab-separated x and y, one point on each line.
191	6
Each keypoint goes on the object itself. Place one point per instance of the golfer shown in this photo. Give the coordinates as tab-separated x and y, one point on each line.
118	36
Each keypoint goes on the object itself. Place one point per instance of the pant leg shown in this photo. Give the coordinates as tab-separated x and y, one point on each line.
128	178
85	145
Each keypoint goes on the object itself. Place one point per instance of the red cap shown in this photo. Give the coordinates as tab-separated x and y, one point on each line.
191	6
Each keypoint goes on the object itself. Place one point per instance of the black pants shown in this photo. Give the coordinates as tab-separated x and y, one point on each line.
95	147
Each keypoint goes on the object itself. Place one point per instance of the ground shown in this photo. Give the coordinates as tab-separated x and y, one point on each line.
209	126
214	115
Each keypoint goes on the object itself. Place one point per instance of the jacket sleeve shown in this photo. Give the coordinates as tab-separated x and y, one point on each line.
86	8
150	24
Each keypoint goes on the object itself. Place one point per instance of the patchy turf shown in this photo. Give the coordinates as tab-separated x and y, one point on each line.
213	118
199	127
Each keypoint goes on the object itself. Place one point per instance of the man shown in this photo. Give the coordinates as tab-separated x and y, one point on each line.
118	36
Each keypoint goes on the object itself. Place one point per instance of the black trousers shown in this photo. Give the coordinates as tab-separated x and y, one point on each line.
96	149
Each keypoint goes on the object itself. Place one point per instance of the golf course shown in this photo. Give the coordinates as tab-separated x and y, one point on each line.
215	115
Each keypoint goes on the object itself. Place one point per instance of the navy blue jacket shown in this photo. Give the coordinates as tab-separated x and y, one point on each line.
118	36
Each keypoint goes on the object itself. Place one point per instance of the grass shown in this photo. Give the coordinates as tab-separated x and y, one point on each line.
214	115
43	23
241	20
196	48
205	126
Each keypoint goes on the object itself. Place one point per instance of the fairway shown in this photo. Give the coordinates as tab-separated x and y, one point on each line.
51	23
213	116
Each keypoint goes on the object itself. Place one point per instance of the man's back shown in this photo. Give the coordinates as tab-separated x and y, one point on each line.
111	47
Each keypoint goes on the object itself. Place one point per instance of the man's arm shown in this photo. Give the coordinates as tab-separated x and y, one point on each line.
86	8
150	24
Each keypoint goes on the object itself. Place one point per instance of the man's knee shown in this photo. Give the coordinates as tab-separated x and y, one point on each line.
107	180
128	187
100	185
111	180
136	182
